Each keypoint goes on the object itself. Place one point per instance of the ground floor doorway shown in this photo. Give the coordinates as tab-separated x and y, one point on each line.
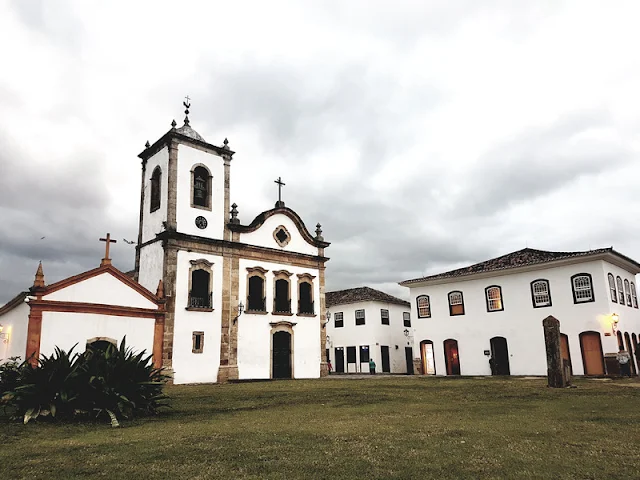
500	356
427	357
281	367
384	353
451	357
592	357
408	353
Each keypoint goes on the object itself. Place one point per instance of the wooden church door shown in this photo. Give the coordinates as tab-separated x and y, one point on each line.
281	355
384	352
339	366
564	350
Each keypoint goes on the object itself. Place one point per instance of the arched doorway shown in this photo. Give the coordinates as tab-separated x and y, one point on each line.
101	344
428	358
592	357
564	351
451	357
281	355
500	355
632	363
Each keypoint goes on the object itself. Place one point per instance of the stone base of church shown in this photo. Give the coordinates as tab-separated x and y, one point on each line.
417	366
324	369
227	372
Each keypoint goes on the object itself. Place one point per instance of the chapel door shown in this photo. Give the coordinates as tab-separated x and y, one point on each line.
451	357
592	358
408	353
500	354
629	348
384	352
339	366
428	358
564	351
282	355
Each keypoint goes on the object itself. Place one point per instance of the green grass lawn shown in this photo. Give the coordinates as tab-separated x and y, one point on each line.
391	427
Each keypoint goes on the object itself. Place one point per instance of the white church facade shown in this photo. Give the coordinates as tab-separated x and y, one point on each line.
364	323
487	318
234	301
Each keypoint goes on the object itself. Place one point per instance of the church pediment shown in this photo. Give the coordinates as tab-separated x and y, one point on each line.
280	232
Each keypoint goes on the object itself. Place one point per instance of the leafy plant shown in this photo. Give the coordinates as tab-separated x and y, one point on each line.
106	382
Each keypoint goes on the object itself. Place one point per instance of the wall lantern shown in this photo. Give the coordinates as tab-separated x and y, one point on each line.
615	318
4	335
240	310
328	317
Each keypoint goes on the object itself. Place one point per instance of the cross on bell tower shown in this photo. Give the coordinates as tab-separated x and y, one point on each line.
106	260
279	203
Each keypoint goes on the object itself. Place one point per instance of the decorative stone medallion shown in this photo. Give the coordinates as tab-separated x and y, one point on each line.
282	236
201	222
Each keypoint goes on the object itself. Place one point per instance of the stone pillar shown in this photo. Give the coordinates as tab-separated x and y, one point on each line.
324	367
555	370
172	191
229	319
169	282
137	264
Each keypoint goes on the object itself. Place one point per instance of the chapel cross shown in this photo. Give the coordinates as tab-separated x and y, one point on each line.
280	185
106	260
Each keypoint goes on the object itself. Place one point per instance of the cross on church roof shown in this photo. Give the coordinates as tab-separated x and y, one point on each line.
281	184
187	105
106	260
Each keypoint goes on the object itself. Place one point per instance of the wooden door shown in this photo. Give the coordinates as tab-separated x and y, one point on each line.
281	355
428	358
564	350
384	352
339	366
451	357
408	353
592	357
500	354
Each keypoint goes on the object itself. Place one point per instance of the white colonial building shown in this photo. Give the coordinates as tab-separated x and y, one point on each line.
494	310
364	324
233	301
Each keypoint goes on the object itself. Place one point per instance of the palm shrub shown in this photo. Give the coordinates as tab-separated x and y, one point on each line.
114	382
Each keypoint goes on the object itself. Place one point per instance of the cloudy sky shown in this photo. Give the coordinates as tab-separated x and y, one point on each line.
423	135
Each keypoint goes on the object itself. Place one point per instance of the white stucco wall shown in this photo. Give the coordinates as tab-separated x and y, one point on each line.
519	322
196	367
254	331
263	236
152	222
151	266
372	334
188	157
64	330
104	289
15	324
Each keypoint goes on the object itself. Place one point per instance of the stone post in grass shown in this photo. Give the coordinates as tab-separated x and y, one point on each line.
556	374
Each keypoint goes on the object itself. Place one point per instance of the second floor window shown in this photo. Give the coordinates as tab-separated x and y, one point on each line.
540	293
424	306
200	294
406	319
338	319
612	288
634	296
359	317
305	298
620	290
384	315
582	288
256	298
281	301
627	292
494	298
456	303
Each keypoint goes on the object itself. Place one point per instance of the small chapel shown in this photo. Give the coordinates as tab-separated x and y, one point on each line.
210	298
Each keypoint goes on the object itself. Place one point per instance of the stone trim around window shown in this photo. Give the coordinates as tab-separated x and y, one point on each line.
257	272
207	266
197	345
308	279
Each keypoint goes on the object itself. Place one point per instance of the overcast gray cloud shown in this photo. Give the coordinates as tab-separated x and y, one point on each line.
422	135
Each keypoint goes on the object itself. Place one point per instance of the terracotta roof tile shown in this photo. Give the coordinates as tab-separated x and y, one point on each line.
361	294
526	256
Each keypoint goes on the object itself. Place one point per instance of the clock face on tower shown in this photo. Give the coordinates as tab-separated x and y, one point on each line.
201	222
